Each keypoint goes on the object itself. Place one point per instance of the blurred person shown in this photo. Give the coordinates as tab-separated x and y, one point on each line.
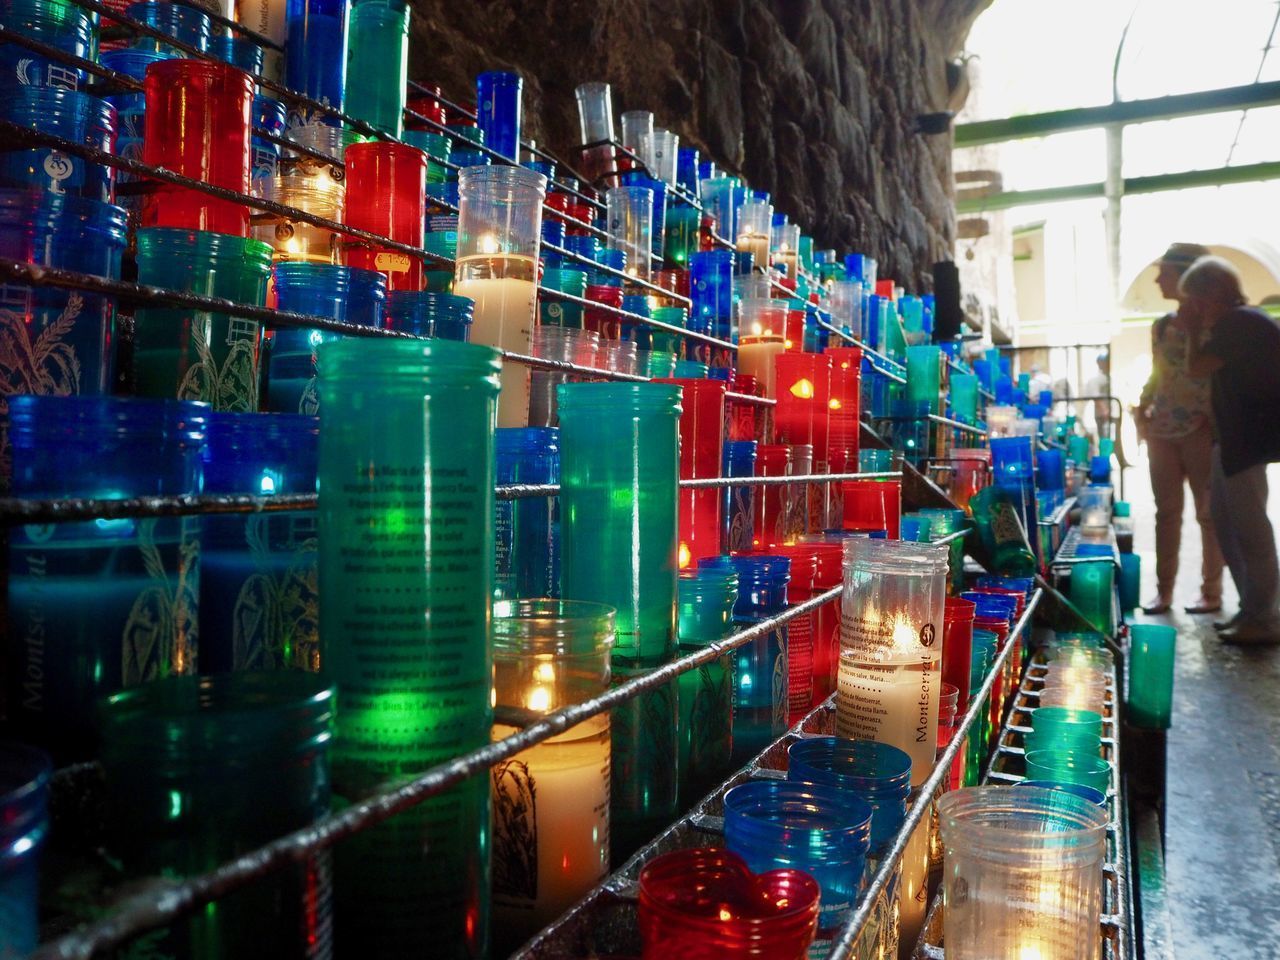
1175	419
1240	352
1099	385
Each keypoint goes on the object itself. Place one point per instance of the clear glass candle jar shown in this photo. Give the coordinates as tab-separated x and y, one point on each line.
706	598
406	453
813	827
706	903
24	823
1023	874
550	802
99	605
259	596
203	769
313	190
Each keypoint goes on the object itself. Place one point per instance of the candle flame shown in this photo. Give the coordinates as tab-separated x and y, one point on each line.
1029	953
835	404
539	699
725	915
545	673
685	555
488	243
802	388
904	635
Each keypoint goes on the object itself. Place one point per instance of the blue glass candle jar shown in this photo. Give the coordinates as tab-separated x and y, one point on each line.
259	599
739	502
527	532
69	114
100	605
711	289
877	773
348	294
498	111
823	831
59	341
67	27
239	51
760	667
589	247
131	111
315	52
705	600
268	114
24	822
444	316
189	24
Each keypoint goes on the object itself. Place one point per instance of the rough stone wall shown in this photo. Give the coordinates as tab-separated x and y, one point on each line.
813	100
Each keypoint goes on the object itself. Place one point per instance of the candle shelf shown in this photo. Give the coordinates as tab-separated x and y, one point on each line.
1069	554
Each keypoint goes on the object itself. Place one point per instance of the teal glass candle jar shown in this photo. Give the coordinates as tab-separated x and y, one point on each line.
100	605
706	599
1151	662
644	785
527	530
203	769
347	294
561	313
437	147
24	822
406	527
378	63
195	354
259	597
681	241
1092	589
1060	766
618	503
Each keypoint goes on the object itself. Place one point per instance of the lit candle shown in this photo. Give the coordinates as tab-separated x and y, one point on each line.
756	244
550	802
505	293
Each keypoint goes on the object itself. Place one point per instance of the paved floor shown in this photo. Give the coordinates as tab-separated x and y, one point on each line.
1223	794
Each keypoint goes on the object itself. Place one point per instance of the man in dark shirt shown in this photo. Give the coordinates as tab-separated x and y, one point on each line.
1242	356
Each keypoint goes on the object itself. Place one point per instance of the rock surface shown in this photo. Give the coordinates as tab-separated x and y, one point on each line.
812	100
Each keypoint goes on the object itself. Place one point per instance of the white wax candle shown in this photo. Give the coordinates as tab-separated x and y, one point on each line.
504	318
913	887
267	18
895	704
756	360
550	824
756	244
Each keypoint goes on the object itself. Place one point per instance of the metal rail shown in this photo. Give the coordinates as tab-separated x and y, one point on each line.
842	945
162	906
21	511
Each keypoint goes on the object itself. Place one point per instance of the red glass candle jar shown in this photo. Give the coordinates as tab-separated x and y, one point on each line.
742	416
845	405
802	415
871	505
701	451
559	206
386	195
793	337
198	125
426	105
772	460
1015	659
806	670
707	903
957	647
604	322
826	638
1000	689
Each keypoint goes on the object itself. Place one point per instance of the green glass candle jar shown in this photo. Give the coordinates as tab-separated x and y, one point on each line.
406	507
203	769
378	63
706	599
644	786
619	472
195	354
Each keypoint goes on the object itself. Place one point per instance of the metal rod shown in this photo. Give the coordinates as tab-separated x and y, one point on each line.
620	274
842	945
153	909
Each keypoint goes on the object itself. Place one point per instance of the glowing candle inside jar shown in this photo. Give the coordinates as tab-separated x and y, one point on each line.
756	244
755	359
505	291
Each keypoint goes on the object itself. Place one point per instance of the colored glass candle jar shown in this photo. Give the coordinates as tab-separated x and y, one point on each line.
198	125
189	24
203	769
59	341
1061	766
803	389
315	51
429	314
772	460
406	447
119	596
498	239
314	191
239	51
1087	794
563	313
264	154
796	495
66	27
701	452
681	234
618	502
844	410
957	647
801	654
386	195
705	599
707	902
1066	723
645	760
711	290
378	63
1151	660
24	823
816	828
739	502
527	531
258	585
890	646
984	651
762	686
347	294
1023	873
550	802
193	354
499	110
69	114
1092	589
873	505
924	377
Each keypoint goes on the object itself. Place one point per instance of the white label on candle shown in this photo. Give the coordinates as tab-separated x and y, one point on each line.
897	705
